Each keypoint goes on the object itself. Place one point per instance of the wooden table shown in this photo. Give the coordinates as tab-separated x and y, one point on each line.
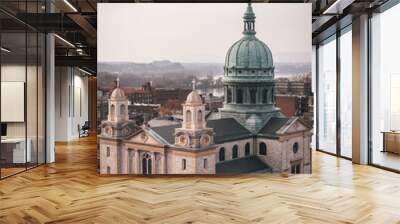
391	141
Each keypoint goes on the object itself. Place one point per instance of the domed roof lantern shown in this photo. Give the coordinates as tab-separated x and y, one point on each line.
117	93
249	21
194	98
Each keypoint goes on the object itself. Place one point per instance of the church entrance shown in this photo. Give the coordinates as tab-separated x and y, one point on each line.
146	164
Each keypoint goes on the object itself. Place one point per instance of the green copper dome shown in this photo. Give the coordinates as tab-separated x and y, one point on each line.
249	79
249	52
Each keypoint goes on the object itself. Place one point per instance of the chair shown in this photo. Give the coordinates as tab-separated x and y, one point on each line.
84	130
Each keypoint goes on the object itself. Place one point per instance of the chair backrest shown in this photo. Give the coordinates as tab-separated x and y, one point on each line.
86	125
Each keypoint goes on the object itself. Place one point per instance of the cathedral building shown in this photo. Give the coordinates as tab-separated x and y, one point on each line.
249	134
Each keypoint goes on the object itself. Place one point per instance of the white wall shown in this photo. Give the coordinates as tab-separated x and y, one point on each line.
33	126
71	102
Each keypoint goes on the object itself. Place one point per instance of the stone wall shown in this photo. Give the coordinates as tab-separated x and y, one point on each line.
229	145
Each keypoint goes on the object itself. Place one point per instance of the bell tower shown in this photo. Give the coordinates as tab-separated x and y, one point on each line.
194	132
118	105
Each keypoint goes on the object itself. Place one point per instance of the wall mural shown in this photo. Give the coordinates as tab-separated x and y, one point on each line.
197	89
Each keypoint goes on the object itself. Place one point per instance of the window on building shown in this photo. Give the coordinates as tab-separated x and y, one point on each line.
265	95
228	95
253	98
183	164
239	96
327	95
205	164
295	147
108	170
346	93
199	117
112	113
385	89
263	149
295	168
108	151
234	152
188	118
122	109
222	154
247	149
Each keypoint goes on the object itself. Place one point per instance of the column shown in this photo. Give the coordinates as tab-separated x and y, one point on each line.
360	90
165	161
234	94
50	95
137	162
226	94
125	160
153	164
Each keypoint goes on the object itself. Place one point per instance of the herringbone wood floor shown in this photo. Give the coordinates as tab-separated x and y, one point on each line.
70	191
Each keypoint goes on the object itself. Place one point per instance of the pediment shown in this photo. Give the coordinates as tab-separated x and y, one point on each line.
142	137
293	127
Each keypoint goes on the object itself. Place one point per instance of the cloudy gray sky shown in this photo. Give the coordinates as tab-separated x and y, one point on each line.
198	32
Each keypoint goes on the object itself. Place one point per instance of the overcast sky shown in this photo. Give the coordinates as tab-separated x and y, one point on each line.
198	32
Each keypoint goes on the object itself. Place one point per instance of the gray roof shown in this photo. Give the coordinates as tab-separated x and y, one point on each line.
246	164
273	125
228	129
167	132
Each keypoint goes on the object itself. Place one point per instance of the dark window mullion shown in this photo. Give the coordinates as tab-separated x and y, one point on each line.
26	86
338	73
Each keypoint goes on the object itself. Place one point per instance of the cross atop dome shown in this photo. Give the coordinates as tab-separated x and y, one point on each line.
194	84
117	82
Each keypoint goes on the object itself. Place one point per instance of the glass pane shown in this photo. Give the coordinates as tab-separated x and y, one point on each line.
346	94
327	96
31	98
13	87
41	98
385	86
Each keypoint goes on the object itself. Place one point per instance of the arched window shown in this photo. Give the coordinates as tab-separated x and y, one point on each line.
122	109
272	96
295	147
146	164
108	151
205	164
183	164
239	96
234	152
199	117
108	170
253	98
265	95
263	149
112	112
247	149
188	118
228	95
222	154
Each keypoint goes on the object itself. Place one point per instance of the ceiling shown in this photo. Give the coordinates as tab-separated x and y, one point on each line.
75	21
